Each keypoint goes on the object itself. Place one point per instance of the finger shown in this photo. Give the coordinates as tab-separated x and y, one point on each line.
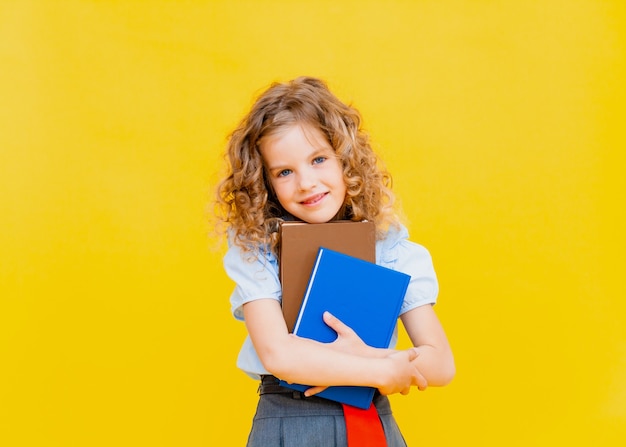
421	382
314	390
413	353
419	379
335	323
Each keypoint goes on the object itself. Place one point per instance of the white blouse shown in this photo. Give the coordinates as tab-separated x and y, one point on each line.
258	278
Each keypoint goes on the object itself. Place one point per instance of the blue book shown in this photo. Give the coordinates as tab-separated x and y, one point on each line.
365	296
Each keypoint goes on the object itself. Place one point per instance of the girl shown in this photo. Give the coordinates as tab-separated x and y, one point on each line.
300	154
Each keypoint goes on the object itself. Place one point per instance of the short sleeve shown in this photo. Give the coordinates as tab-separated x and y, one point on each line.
403	255
254	278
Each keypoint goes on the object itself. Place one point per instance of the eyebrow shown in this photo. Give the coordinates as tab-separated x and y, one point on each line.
276	168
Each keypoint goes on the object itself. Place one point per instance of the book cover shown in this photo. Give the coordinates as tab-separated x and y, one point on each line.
365	296
300	243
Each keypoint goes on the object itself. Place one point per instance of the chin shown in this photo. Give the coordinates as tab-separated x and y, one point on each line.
315	219
318	216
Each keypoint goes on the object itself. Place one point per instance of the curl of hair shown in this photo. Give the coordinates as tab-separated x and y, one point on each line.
246	202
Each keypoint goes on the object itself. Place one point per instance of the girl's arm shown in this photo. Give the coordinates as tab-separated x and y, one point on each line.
435	360
299	360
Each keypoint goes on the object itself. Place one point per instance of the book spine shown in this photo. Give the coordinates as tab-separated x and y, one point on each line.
308	290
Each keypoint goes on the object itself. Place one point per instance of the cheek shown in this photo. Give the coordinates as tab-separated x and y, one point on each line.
340	179
281	189
336	173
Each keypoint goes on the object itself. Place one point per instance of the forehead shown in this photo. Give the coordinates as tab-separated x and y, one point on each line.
296	135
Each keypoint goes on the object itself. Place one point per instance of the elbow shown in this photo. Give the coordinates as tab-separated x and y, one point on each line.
444	373
277	363
272	362
447	372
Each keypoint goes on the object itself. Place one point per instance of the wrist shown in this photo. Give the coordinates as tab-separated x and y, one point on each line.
379	353
384	372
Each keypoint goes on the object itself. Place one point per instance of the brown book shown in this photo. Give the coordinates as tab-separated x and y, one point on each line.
299	245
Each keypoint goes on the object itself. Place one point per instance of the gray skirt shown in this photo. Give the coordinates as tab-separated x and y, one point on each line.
286	418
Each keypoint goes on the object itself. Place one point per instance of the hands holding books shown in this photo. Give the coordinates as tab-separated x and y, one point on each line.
403	373
347	340
401	370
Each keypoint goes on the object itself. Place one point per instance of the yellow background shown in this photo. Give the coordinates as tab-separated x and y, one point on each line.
500	120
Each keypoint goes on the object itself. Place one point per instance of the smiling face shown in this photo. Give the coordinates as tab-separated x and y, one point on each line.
305	173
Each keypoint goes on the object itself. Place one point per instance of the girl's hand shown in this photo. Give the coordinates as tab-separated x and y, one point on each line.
314	390
421	381
403	373
347	340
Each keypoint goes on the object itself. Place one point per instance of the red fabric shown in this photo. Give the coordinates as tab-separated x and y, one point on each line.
363	427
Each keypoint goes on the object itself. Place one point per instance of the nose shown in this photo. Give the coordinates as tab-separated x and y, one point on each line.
307	180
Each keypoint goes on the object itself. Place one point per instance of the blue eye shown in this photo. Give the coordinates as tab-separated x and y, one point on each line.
318	160
284	173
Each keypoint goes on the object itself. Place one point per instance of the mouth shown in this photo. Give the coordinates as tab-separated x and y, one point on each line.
313	200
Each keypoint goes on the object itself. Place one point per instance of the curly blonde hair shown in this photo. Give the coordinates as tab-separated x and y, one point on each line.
246	202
